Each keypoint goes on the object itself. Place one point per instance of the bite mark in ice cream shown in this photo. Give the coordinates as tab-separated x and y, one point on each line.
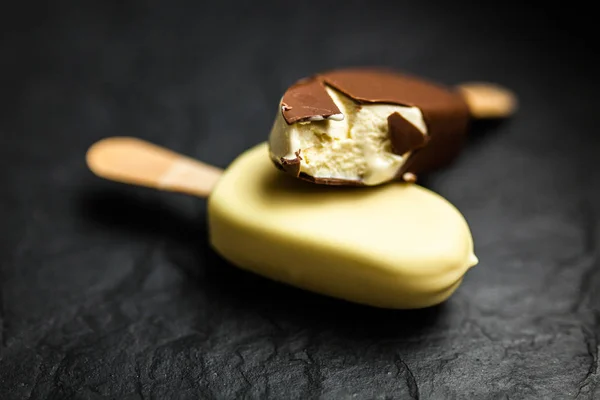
357	147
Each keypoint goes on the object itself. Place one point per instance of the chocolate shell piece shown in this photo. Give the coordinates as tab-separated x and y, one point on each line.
404	136
307	100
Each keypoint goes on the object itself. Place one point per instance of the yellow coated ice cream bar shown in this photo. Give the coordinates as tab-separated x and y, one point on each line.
395	246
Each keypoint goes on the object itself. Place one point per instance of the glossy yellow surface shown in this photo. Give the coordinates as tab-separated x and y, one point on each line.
394	246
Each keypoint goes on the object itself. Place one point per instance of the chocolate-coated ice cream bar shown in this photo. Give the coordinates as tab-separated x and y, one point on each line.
368	126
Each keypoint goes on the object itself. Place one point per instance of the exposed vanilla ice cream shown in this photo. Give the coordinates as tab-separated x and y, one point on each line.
355	146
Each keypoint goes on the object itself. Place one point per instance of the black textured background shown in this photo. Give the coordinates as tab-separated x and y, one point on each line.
111	292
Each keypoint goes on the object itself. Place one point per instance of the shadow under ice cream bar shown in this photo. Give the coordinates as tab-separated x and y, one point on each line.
371	126
394	246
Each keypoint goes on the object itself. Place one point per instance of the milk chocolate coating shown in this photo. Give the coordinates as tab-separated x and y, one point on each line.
291	166
307	99
404	136
445	113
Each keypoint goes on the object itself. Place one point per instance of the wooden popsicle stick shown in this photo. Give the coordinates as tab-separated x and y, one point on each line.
488	100
137	162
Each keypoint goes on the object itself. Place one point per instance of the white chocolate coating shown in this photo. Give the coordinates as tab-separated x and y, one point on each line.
394	246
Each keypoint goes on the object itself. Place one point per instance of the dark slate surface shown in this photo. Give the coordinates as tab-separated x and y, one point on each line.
108	291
